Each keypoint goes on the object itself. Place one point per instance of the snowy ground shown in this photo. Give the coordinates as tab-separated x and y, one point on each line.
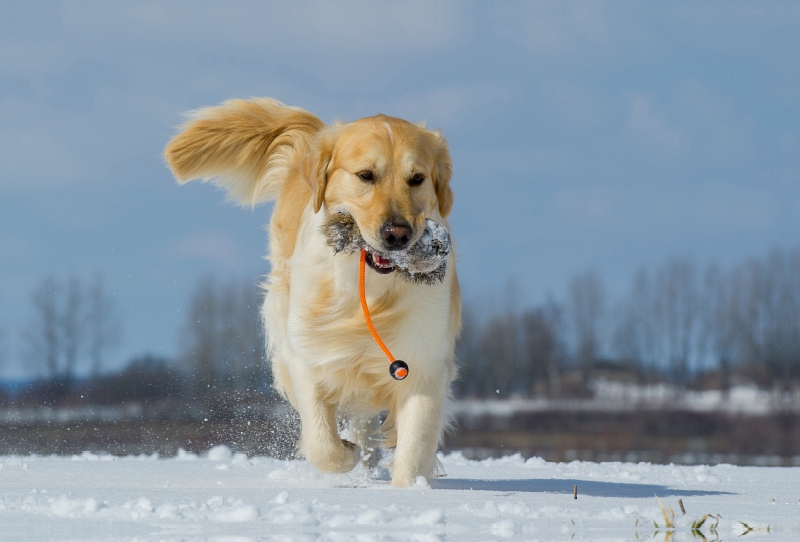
232	498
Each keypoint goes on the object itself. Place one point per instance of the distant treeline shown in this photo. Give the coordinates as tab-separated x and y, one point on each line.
222	347
679	322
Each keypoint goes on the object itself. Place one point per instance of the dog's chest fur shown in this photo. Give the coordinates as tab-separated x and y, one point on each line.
327	330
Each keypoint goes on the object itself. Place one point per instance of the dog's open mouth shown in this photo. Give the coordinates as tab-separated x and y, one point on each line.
379	263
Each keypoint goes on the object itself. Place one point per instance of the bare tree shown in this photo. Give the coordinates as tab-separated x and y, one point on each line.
242	343
747	290
201	327
472	367
224	344
500	346
781	312
720	322
250	368
765	301
3	348
634	337
541	350
69	322
72	324
678	309
585	310
42	337
103	322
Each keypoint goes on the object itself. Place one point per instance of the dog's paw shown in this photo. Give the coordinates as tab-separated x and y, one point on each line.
342	458
409	480
351	456
406	477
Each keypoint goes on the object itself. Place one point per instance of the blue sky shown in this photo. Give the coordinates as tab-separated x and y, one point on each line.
584	134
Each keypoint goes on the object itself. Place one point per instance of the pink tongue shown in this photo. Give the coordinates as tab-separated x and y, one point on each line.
383	262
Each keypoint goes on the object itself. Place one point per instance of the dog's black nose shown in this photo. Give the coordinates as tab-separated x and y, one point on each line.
396	236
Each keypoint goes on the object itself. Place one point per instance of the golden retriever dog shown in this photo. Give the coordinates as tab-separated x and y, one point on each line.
390	176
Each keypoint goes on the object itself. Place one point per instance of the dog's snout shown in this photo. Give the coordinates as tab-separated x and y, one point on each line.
396	235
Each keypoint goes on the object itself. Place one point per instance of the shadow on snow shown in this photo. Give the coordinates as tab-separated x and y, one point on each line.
585	487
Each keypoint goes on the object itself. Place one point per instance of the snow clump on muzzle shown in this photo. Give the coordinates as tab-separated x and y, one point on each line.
424	262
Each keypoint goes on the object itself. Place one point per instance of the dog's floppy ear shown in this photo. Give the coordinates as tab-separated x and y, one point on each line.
442	173
316	165
245	146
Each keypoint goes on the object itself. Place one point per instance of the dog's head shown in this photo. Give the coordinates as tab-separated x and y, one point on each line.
388	174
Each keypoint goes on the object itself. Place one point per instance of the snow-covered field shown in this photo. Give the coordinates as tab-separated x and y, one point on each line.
229	497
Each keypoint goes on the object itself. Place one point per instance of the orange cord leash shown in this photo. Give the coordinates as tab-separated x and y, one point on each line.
398	368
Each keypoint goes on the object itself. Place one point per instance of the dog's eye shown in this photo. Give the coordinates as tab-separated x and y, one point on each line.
416	180
366	175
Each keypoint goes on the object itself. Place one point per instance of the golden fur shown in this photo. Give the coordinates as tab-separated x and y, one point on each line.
324	360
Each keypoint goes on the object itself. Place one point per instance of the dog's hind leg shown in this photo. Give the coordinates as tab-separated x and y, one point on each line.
365	433
319	436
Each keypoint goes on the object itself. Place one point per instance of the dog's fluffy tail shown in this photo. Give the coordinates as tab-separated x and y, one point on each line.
245	146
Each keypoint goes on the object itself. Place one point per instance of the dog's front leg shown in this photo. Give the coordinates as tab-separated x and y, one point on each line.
319	437
419	428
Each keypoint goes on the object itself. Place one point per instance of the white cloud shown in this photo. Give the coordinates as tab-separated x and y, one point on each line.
280	28
644	121
553	28
19	249
737	13
448	105
588	206
720	129
727	208
579	107
672	211
32	157
44	144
